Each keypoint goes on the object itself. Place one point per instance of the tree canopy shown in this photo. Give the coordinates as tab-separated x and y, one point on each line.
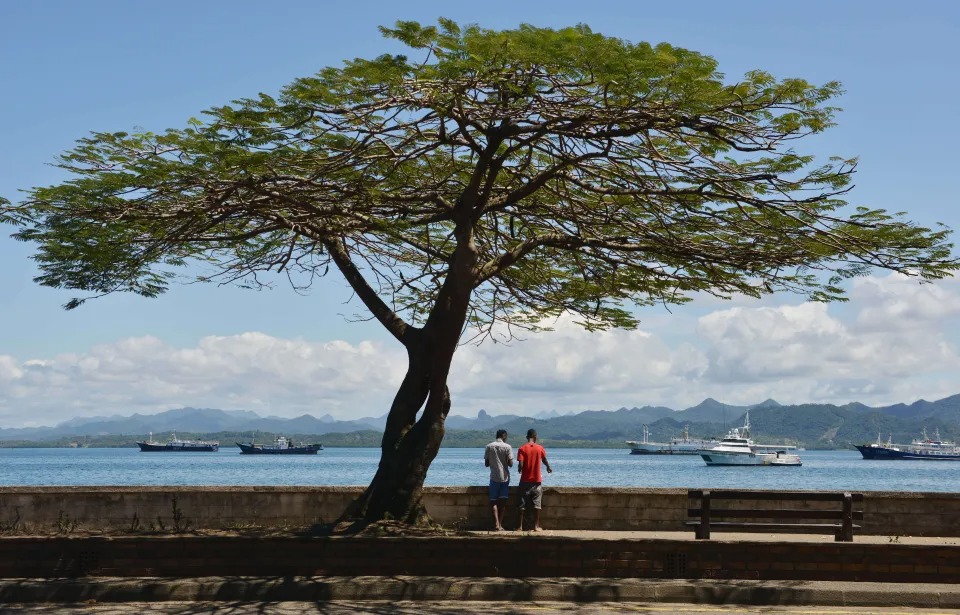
489	176
592	172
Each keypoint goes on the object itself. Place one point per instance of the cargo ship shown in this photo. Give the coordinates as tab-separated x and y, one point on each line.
923	448
684	445
175	445
281	446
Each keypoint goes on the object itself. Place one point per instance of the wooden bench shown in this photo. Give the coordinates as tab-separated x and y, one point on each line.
763	518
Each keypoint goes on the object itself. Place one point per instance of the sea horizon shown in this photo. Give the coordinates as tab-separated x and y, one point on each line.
573	467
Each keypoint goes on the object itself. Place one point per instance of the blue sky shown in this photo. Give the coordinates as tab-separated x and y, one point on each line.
71	67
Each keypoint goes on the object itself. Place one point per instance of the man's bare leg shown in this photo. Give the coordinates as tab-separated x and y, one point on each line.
496	516
536	522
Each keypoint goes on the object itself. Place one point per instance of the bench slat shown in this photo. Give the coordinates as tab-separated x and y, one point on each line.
783	526
774	513
808	496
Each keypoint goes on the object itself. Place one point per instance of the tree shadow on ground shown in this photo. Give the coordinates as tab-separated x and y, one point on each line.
375	529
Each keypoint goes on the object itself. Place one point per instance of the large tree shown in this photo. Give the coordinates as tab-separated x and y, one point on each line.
492	177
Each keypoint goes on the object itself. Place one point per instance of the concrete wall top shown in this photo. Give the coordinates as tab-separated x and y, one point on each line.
470	489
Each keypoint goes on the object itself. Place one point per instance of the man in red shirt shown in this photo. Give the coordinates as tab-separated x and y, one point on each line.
529	457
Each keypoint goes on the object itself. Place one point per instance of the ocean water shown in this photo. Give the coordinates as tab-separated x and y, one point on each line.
826	470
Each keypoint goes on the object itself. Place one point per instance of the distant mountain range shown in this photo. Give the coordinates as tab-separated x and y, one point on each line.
191	420
814	425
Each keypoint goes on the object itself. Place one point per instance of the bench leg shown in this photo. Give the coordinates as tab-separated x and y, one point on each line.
845	534
703	530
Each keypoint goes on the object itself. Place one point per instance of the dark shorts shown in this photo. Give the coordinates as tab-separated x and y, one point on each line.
499	491
532	493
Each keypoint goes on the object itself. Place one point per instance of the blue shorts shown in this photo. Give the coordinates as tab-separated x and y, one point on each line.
499	491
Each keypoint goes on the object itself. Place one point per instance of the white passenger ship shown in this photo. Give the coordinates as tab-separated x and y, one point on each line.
737	449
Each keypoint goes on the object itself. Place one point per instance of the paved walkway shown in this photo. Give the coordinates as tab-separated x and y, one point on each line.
726	536
101	590
380	607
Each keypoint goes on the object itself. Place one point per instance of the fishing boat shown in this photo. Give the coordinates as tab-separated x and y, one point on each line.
737	449
176	445
684	445
281	446
923	448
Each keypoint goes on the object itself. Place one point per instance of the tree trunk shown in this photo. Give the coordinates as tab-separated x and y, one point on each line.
409	444
396	489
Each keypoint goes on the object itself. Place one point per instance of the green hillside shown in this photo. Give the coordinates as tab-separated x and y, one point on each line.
814	426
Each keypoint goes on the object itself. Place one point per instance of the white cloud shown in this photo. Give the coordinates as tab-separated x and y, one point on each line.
901	303
899	336
570	368
893	342
251	371
9	370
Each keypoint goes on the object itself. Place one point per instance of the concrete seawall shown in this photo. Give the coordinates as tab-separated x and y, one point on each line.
491	555
26	510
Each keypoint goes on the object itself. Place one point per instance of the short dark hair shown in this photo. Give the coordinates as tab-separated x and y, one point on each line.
531	433
501	433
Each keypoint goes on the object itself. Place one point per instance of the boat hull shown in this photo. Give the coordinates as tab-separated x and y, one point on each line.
880	452
665	449
256	449
739	459
728	459
151	447
783	460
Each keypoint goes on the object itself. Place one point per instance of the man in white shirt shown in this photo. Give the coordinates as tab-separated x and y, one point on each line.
498	456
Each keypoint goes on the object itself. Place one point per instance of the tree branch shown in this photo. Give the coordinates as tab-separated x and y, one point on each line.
397	327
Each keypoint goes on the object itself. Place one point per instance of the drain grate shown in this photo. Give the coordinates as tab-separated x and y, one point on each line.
676	566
